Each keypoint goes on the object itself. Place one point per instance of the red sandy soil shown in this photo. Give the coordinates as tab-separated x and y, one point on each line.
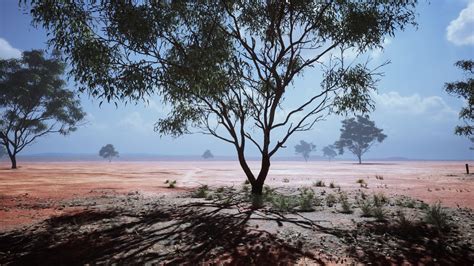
50	182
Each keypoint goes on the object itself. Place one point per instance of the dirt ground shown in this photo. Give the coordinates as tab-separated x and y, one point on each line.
125	213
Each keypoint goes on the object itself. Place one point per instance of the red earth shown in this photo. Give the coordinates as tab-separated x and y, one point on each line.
22	191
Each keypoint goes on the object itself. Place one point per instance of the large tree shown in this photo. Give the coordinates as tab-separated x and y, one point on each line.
226	67
34	101
465	90
358	135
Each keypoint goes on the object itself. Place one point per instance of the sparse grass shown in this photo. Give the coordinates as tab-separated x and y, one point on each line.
379	177
286	180
437	217
171	183
379	199
405	225
366	208
331	200
319	183
379	213
220	189
346	206
362	183
201	192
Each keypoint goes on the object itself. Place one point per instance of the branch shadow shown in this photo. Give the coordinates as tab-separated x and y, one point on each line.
191	234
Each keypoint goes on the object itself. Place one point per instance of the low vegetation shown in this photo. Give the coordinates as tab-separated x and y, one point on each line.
171	183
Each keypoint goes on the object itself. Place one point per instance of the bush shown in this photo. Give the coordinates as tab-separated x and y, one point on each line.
283	203
286	180
379	213
319	183
366	208
171	184
346	206
332	185
201	192
436	216
330	200
405	225
306	200
379	177
380	199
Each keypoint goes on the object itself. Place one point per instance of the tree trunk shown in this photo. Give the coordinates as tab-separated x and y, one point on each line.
13	160
257	186
360	159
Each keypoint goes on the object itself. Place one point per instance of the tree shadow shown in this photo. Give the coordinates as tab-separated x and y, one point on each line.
190	234
212	232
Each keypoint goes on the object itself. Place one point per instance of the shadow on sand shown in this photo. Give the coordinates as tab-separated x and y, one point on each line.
202	232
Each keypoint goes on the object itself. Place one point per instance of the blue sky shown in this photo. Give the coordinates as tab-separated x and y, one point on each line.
412	107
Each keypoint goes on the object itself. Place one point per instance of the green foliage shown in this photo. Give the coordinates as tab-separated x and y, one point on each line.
304	148
34	101
464	90
436	216
201	192
366	208
108	152
283	203
171	183
319	183
306	199
358	135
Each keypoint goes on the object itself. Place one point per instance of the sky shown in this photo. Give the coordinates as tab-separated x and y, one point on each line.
411	105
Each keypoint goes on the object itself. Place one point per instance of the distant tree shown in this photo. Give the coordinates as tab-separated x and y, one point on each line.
329	152
465	90
108	152
34	101
358	135
304	148
207	154
227	68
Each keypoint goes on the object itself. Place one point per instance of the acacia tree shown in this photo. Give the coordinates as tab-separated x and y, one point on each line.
465	90
304	148
329	152
108	152
34	101
226	67
358	136
207	155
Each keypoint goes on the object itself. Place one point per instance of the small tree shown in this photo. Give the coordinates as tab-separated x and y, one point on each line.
207	155
358	136
465	90
329	152
108	152
304	148
34	102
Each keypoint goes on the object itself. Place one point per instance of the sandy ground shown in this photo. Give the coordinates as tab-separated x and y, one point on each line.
49	183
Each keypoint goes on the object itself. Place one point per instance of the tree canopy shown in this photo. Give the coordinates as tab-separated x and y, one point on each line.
207	155
226	67
34	101
329	152
465	90
358	135
108	152
304	148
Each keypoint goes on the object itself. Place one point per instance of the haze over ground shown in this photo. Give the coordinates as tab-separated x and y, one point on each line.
412	107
